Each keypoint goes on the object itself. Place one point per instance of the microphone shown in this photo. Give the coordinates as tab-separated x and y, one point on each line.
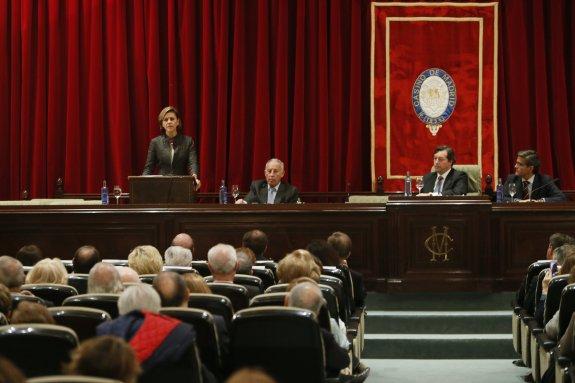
544	185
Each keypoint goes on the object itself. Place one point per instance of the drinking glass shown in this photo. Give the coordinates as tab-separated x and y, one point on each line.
117	193
419	184
235	192
512	191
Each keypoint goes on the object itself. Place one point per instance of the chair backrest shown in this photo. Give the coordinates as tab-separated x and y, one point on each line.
106	302
271	265
117	262
202	268
147	278
556	286
473	178
253	284
71	379
17	298
83	320
331	300
37	349
238	294
214	304
279	288
566	308
539	288
533	271
180	269
206	332
79	282
344	275
68	265
342	301
52	292
284	341
265	274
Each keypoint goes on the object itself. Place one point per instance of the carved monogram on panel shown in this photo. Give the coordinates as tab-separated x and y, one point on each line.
439	244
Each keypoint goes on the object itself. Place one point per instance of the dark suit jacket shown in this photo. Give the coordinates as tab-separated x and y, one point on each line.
259	193
454	184
159	154
550	191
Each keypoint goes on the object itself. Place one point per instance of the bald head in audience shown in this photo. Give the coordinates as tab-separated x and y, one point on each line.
172	289
184	240
250	375
223	263
256	241
104	278
85	258
306	295
11	273
178	256
128	275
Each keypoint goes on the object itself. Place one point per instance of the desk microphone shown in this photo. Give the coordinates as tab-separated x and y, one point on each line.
544	185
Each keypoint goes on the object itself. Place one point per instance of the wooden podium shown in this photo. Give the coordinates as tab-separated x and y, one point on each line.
162	189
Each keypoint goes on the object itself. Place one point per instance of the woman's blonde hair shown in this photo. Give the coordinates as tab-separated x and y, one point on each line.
48	271
145	259
196	284
299	263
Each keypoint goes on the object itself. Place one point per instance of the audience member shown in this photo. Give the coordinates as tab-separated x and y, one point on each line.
552	327
5	301
308	296
9	373
250	375
223	263
196	284
323	251
85	258
184	240
128	275
342	245
299	263
105	357
165	357
172	289
256	241
11	273
48	271
31	312
178	256
104	278
246	259
145	260
29	255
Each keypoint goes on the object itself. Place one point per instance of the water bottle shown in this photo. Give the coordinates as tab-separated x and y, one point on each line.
223	192
104	194
499	192
407	185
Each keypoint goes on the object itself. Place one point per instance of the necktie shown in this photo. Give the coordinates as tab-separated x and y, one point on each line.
438	185
526	190
271	195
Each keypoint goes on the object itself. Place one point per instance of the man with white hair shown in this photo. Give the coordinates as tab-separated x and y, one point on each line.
11	273
178	256
162	344
128	275
104	278
307	295
223	263
271	190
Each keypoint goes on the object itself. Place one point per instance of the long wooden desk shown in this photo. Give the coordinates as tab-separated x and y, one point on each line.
406	245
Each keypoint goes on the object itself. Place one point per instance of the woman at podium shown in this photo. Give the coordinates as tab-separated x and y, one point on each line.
173	153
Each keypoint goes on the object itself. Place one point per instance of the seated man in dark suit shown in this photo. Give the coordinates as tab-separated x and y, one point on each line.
444	180
271	190
530	185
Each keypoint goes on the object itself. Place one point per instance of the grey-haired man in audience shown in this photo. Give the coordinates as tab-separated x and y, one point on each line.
223	263
104	278
11	273
178	256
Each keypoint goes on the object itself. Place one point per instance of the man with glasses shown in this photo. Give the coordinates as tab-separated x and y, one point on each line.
444	180
530	185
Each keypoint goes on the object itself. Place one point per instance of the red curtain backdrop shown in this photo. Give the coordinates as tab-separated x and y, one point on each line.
82	82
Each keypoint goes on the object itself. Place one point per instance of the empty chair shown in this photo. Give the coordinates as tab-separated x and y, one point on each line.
288	332
68	265
117	262
51	292
206	332
180	269
79	282
106	302
252	283
214	304
238	294
17	298
279	288
83	320
71	379
37	349
147	278
266	275
202	268
271	265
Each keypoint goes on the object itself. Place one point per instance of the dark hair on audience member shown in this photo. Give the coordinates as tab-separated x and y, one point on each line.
559	239
531	158
105	356
256	240
85	258
9	373
449	150
324	251
250	375
341	244
5	300
29	255
31	312
171	288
